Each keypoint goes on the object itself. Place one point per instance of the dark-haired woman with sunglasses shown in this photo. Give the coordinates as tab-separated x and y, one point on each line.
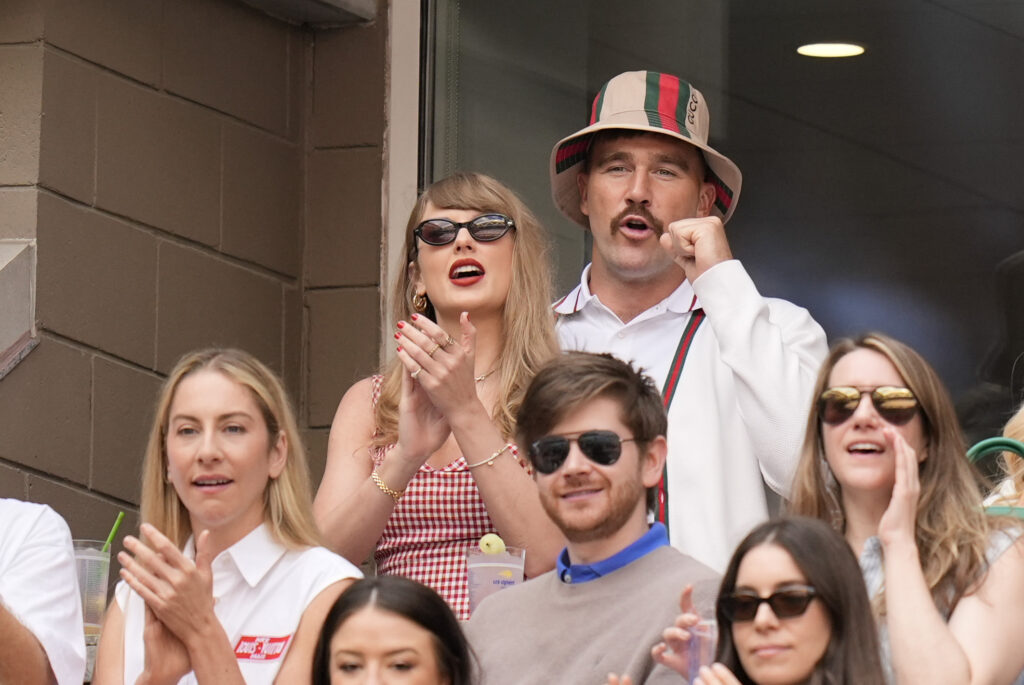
420	464
791	610
884	462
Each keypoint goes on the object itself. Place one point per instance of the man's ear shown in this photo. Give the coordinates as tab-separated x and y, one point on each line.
652	462
581	185
706	199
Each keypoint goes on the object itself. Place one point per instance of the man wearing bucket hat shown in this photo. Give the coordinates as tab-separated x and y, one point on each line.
663	291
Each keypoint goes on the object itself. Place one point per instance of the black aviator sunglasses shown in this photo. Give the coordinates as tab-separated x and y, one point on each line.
599	446
484	229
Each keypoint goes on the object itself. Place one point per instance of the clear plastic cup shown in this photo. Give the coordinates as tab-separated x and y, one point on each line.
93	565
488	573
701	647
703	636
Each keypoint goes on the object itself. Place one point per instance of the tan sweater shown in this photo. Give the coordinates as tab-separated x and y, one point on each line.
546	631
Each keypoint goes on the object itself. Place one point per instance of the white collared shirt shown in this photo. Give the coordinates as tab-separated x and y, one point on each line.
742	399
39	584
645	341
262	588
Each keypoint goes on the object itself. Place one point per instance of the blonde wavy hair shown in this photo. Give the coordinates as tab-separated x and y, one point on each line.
529	333
287	502
1014	465
952	531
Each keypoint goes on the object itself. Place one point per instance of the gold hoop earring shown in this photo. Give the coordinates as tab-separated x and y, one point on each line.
420	302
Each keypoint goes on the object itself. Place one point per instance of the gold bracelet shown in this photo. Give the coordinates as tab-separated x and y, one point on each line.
490	460
395	494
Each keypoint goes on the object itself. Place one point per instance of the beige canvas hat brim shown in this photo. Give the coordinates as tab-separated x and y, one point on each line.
644	101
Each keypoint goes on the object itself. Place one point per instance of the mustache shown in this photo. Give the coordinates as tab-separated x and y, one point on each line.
633	209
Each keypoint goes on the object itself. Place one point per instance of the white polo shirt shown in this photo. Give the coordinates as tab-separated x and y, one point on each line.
742	399
39	584
262	589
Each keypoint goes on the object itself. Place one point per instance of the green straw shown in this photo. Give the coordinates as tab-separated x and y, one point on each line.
113	532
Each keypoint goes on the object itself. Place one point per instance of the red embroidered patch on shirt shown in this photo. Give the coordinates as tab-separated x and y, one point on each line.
261	647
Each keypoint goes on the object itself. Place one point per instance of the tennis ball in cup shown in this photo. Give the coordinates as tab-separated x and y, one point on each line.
492	544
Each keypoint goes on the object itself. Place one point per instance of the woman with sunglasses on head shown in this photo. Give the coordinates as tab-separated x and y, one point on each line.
420	465
228	583
885	463
791	610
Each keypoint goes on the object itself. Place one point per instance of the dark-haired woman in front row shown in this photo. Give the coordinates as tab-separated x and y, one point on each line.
792	610
390	629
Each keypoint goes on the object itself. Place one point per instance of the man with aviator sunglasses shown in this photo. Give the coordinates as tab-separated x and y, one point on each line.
595	431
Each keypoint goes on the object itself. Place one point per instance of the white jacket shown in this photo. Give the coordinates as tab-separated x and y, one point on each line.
741	407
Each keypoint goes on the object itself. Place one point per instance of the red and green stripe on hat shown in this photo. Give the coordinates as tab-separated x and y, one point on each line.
649	101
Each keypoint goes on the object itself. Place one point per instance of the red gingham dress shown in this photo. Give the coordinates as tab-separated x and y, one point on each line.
439	517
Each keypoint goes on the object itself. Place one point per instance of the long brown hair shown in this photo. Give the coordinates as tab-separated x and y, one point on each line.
529	334
852	655
952	530
287	503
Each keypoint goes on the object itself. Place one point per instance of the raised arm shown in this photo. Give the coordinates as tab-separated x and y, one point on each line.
988	624
351	506
350	509
179	593
774	348
980	643
505	485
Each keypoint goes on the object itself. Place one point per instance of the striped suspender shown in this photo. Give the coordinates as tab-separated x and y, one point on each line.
668	393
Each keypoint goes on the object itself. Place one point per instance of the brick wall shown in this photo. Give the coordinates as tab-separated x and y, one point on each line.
193	173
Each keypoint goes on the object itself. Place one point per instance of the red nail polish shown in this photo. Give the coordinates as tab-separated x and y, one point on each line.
399	348
398	336
414	317
401	324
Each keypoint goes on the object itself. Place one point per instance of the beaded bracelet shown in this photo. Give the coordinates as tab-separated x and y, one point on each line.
490	460
395	494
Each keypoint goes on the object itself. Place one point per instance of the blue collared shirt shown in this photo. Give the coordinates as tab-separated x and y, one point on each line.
654	538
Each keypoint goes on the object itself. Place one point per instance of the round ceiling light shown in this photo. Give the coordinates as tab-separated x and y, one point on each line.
831	50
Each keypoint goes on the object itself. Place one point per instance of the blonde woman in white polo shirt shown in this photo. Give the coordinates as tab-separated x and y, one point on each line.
229	584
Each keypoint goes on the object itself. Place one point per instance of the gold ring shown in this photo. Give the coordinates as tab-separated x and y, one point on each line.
433	350
415	373
449	341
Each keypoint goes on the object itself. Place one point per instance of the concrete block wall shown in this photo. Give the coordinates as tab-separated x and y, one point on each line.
192	173
342	261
